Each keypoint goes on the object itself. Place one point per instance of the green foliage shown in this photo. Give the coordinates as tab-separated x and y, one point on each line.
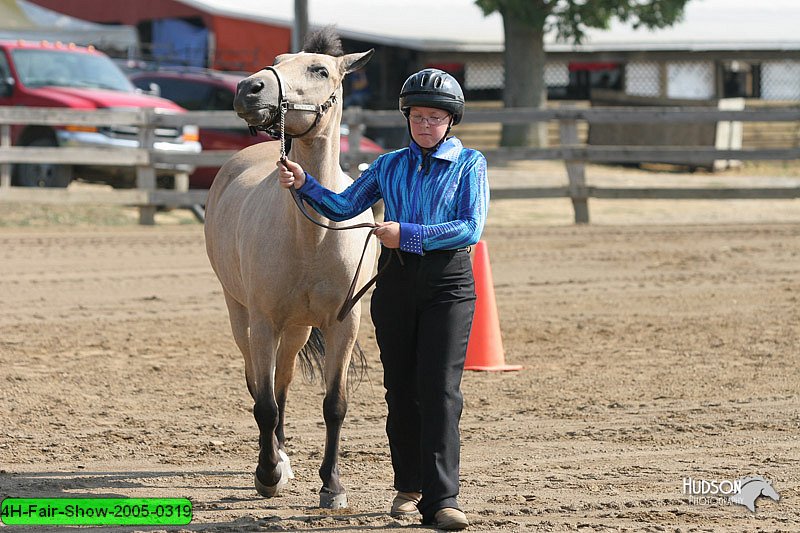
571	18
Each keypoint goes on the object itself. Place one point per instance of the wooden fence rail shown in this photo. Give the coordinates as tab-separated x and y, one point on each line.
574	154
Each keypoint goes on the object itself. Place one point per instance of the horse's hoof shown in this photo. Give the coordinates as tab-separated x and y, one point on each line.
329	500
268	491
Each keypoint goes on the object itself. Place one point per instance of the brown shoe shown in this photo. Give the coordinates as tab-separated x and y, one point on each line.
450	519
405	504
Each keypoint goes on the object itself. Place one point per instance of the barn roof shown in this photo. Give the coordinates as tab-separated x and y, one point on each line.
20	19
459	25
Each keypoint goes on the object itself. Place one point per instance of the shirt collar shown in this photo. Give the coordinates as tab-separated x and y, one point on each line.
448	150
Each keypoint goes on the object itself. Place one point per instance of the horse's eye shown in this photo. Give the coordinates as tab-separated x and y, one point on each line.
321	71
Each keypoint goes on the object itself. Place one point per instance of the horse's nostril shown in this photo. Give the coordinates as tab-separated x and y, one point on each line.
256	88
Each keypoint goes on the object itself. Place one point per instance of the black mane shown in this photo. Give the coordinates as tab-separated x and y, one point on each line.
324	41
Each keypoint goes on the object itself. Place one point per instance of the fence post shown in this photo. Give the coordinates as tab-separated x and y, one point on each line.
576	172
146	174
5	168
181	181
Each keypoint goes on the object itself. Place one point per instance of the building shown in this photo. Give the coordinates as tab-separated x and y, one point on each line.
723	48
20	19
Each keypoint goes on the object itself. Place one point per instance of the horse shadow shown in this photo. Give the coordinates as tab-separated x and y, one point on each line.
124	484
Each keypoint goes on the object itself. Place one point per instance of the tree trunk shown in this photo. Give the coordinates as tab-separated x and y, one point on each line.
524	63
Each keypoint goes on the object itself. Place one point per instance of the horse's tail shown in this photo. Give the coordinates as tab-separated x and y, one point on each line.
312	357
358	368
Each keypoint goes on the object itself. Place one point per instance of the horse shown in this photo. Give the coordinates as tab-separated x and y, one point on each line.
283	277
751	488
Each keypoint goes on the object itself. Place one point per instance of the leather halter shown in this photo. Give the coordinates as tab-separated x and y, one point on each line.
284	106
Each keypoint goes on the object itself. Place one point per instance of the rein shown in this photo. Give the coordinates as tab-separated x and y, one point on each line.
284	105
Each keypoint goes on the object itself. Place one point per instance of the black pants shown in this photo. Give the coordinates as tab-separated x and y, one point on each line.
422	313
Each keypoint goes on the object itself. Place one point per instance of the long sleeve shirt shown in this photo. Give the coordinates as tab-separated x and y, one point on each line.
439	199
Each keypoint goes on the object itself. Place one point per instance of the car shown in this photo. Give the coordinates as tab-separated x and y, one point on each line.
57	75
212	90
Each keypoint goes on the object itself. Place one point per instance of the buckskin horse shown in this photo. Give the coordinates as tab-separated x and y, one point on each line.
281	275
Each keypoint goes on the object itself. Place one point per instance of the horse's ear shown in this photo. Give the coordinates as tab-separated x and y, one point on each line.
353	62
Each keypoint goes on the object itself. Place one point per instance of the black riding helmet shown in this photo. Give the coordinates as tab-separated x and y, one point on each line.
432	87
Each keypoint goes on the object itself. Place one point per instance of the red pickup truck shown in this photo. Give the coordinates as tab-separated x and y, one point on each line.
67	76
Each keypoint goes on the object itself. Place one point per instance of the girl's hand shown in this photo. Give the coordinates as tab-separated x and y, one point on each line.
290	174
389	234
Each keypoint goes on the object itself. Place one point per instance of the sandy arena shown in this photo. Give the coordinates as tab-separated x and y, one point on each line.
659	343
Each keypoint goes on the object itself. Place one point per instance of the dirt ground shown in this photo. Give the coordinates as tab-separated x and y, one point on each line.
659	343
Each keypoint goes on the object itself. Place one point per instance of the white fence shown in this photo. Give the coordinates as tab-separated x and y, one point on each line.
147	196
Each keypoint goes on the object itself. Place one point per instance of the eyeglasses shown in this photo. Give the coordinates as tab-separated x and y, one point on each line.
432	121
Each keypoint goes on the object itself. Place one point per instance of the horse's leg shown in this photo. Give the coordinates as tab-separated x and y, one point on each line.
270	473
292	340
340	338
240	322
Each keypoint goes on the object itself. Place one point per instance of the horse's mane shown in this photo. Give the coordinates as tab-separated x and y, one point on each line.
324	41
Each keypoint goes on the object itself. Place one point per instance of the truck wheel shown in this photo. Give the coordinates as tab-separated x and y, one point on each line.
42	174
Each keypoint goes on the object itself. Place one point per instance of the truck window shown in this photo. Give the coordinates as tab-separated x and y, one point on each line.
6	81
186	93
39	68
5	72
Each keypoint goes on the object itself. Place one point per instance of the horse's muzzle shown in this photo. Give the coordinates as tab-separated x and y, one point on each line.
256	101
263	116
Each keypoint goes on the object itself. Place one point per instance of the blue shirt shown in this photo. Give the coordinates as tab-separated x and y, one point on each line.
440	200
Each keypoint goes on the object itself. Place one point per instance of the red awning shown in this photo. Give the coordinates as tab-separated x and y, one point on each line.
574	67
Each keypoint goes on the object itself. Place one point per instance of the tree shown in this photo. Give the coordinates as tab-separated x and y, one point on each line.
525	23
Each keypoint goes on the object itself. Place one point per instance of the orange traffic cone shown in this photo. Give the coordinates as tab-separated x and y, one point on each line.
485	348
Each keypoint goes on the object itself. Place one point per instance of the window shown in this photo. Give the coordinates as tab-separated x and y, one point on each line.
780	80
693	80
5	72
6	81
38	68
188	94
221	100
741	79
585	76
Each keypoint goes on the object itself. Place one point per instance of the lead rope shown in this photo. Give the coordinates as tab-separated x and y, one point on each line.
352	297
282	105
